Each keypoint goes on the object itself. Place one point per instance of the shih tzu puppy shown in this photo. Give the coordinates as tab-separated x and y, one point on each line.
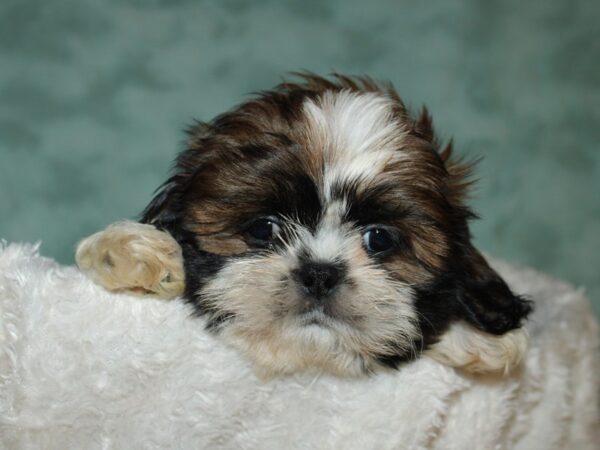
320	226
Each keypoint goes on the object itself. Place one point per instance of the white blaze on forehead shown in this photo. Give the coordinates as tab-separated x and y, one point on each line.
327	244
330	238
357	134
351	122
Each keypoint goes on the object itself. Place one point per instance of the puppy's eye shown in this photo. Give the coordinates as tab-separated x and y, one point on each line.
378	240
264	229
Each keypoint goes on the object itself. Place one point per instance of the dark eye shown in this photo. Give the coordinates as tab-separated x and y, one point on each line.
378	240
264	230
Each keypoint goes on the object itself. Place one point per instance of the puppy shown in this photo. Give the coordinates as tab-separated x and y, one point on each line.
320	226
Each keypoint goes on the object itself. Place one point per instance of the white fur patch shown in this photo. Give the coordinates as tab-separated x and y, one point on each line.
358	134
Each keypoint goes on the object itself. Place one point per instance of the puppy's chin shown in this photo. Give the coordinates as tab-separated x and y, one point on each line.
306	344
366	323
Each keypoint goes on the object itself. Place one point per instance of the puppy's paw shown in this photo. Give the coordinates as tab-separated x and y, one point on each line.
474	351
135	258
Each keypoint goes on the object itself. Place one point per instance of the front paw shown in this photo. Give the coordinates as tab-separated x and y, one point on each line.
135	258
475	351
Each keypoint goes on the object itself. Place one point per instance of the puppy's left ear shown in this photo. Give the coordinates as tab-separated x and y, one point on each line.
484	299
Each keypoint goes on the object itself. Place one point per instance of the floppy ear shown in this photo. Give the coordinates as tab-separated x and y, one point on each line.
162	209
484	299
165	207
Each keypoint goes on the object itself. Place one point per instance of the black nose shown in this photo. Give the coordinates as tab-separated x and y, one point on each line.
319	279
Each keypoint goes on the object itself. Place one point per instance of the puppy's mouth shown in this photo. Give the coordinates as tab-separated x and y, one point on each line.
317	316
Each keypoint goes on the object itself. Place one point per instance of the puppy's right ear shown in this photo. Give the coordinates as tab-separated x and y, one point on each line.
166	206
162	209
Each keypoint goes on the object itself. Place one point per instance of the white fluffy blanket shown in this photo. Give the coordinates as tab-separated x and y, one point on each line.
81	368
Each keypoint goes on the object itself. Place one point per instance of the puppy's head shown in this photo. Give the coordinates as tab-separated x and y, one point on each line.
323	227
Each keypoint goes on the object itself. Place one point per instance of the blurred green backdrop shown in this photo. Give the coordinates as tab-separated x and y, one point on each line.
94	95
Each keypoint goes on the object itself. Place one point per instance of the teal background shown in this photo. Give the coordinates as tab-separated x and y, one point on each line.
94	95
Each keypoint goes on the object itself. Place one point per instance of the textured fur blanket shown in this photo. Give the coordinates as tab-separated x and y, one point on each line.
81	368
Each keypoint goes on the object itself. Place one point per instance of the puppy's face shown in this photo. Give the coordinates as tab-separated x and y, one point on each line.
321	228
